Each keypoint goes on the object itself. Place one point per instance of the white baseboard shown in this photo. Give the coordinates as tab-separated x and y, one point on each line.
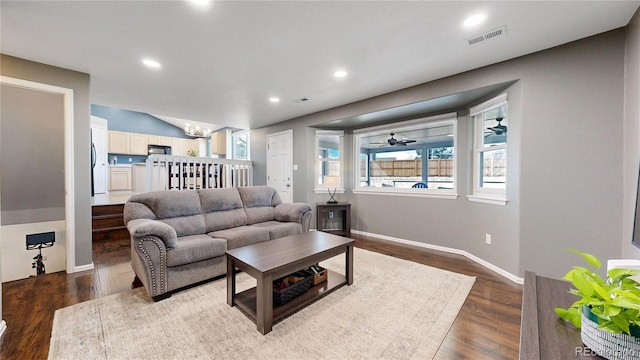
3	327
488	265
83	267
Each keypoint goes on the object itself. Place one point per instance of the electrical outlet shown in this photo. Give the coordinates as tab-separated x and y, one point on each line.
330	214
487	238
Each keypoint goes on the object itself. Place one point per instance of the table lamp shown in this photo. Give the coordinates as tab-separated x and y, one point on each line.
332	182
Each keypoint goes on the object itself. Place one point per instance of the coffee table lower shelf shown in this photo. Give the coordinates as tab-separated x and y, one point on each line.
246	300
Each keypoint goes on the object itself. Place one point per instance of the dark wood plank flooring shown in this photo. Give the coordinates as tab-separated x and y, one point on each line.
487	327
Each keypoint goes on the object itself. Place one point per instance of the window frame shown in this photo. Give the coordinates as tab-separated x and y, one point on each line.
479	193
233	148
319	188
430	121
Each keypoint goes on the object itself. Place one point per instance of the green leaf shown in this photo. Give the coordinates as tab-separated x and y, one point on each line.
626	294
590	259
622	323
604	294
617	274
626	303
582	283
571	315
611	311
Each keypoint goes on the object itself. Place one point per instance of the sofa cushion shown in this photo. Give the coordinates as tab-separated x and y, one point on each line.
242	236
223	208
279	229
178	209
195	248
186	225
259	203
165	204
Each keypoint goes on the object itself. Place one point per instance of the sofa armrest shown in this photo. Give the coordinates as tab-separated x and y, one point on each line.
294	212
140	228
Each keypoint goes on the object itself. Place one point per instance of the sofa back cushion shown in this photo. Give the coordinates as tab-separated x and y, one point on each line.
259	203
222	208
178	209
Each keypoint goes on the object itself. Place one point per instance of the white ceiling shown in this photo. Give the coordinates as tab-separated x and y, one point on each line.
220	64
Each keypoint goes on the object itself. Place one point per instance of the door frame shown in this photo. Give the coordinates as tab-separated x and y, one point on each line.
69	198
290	150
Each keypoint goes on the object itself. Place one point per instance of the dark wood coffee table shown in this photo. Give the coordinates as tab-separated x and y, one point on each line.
272	259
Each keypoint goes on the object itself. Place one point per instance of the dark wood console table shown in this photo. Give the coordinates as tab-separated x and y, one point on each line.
543	336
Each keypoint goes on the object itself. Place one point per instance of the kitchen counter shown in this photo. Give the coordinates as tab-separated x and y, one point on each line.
120	165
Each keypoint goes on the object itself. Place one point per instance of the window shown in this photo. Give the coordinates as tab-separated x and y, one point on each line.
414	157
328	160
240	145
490	151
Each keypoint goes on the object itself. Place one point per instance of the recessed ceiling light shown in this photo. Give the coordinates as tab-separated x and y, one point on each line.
151	63
200	2
274	99
340	74
474	20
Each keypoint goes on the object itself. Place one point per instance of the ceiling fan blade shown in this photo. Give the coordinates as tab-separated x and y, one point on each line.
405	142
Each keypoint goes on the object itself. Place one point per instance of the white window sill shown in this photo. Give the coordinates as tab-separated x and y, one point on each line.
418	193
485	199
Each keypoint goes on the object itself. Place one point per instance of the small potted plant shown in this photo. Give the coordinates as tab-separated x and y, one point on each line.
193	153
607	311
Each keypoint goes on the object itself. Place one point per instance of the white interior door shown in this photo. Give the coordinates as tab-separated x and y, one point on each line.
99	137
280	164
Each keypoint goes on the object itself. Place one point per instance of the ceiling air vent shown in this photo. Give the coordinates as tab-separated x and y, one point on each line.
488	35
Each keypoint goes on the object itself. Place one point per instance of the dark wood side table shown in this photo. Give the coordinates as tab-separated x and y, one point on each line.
334	218
542	334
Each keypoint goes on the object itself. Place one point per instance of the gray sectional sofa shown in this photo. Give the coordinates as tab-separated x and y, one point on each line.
179	237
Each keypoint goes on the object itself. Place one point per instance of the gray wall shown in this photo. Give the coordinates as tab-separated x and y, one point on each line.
564	162
79	82
31	145
631	134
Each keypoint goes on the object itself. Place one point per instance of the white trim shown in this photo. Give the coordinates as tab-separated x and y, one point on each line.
340	134
408	123
326	191
330	132
488	265
423	193
432	121
248	150
491	103
3	327
69	167
84	267
481	193
487	200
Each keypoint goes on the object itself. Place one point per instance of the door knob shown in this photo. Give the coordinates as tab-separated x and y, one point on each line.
288	185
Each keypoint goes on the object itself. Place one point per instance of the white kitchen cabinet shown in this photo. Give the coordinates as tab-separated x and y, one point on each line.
119	142
120	178
138	144
159	140
219	143
180	146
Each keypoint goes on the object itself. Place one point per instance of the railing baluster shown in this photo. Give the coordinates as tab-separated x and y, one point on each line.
183	172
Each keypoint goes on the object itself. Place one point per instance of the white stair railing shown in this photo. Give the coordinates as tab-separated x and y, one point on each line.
168	172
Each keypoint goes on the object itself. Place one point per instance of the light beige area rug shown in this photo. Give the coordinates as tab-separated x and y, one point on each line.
395	309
